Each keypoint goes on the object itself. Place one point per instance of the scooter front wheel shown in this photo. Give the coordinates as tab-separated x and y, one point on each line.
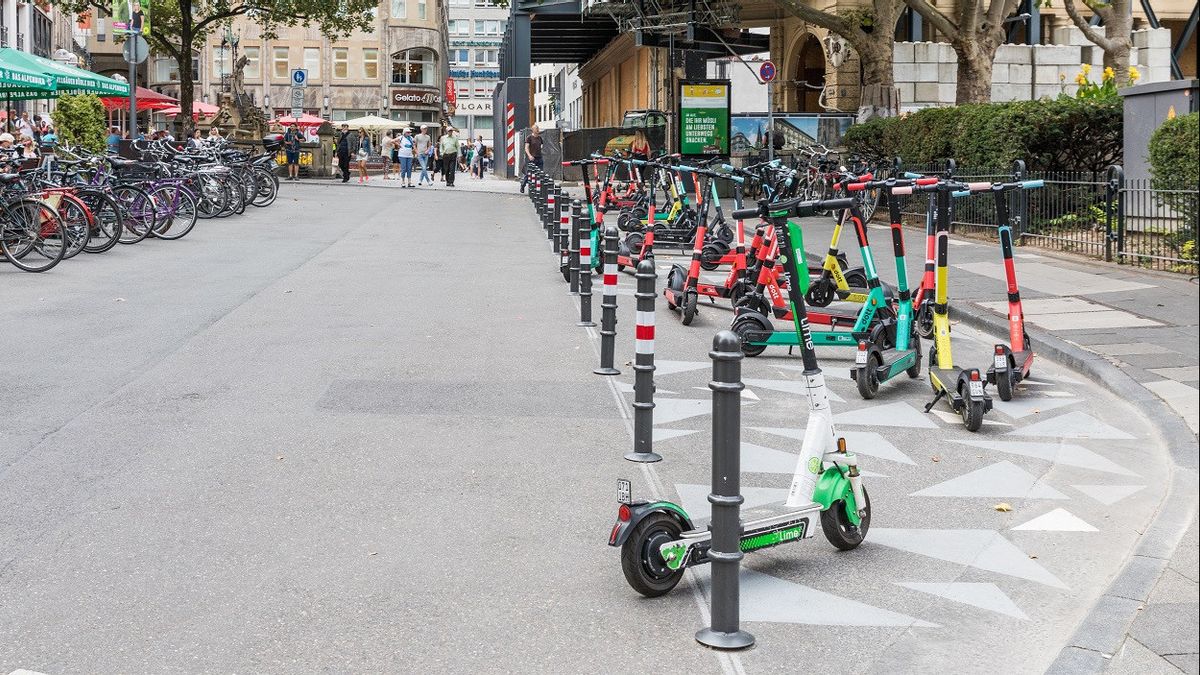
820	293
688	308
838	529
925	321
711	254
643	565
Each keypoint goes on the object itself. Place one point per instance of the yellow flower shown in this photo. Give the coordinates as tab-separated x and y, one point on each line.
1080	79
1134	75
1062	77
1086	68
1109	73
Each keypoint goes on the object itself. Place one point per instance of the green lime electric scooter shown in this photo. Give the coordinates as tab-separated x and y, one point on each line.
659	540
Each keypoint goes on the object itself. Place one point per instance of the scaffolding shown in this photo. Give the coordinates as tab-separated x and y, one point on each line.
670	17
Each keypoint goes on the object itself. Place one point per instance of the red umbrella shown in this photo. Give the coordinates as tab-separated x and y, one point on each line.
304	120
147	99
198	109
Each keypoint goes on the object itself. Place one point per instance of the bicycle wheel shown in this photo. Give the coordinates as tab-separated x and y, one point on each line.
268	188
31	235
213	196
76	225
139	214
177	212
106	221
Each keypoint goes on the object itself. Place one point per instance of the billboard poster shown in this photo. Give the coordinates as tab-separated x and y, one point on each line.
131	16
704	118
791	131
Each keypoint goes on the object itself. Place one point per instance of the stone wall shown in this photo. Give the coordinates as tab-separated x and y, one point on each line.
926	72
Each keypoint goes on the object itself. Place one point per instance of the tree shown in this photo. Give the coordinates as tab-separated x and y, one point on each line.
1117	38
871	31
179	26
79	121
976	33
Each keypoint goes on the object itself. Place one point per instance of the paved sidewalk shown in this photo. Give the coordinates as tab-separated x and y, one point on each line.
1135	331
463	182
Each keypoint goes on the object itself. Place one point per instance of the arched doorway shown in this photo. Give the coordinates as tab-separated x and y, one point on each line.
810	75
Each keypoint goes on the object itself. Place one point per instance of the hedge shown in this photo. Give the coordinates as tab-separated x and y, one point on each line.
1175	172
1063	134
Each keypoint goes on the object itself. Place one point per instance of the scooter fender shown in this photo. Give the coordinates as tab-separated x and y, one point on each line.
964	383
1000	364
832	486
640	510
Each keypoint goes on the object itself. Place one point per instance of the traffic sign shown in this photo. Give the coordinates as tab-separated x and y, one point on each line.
767	71
297	97
299	77
297	112
136	49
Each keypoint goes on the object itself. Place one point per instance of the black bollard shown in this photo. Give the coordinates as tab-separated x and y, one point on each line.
551	207
643	367
560	201
608	305
585	268
726	498
573	251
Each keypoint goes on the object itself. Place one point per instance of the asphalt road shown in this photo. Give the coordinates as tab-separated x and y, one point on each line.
358	431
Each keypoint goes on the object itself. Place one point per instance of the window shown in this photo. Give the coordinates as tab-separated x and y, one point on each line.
415	66
221	66
421	9
341	63
460	3
459	27
279	62
460	57
166	70
371	64
484	3
485	57
253	63
399	9
195	67
464	90
312	62
487	27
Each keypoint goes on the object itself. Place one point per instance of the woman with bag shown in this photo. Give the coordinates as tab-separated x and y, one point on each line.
407	151
364	151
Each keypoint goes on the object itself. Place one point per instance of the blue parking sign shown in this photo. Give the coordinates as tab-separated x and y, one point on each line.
299	77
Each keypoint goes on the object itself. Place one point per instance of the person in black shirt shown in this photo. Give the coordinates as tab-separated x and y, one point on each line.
343	152
533	153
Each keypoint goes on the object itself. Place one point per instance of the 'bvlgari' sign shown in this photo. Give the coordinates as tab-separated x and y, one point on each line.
415	97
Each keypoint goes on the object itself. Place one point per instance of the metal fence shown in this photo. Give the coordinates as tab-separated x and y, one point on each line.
1100	215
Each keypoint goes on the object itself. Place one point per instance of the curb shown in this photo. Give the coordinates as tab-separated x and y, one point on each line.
1104	628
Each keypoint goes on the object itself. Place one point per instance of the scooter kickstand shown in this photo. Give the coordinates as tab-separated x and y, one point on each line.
940	394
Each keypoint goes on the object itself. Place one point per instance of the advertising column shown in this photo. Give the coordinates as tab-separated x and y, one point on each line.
704	118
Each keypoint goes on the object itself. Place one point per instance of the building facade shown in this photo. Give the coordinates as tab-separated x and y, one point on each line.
396	69
475	29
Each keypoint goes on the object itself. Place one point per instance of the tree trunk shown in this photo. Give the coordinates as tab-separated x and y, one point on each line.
187	90
1118	32
878	89
975	60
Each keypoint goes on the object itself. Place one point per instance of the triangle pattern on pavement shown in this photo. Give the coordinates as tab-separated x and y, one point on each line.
767	598
1058	453
1024	406
859	442
981	549
761	459
667	410
789	387
626	388
668	434
953	418
1108	494
666	367
899	414
1002	479
694	498
830	372
1058	520
982	595
1072	425
747	394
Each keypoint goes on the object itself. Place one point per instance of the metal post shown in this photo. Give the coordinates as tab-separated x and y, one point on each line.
564	233
133	53
556	216
643	367
1020	210
608	306
1114	213
585	268
726	498
551	209
573	251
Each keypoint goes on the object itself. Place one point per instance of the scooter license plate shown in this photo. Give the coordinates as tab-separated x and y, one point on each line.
977	387
860	357
1001	362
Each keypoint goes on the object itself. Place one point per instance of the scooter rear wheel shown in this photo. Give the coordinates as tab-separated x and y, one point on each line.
837	526
644	568
972	413
914	371
711	254
867	377
746	324
1004	383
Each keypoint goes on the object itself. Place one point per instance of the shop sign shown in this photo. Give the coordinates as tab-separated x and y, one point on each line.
403	97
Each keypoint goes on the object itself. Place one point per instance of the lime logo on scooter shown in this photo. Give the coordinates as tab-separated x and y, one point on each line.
814	465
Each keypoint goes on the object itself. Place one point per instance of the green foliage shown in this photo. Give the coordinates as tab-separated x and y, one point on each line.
1050	135
1175	173
79	121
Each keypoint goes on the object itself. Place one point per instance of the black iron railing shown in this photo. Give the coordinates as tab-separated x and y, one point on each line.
1100	215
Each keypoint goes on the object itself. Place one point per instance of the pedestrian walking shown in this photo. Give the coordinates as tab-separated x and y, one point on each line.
477	156
533	153
343	152
291	150
407	153
448	147
424	154
364	151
